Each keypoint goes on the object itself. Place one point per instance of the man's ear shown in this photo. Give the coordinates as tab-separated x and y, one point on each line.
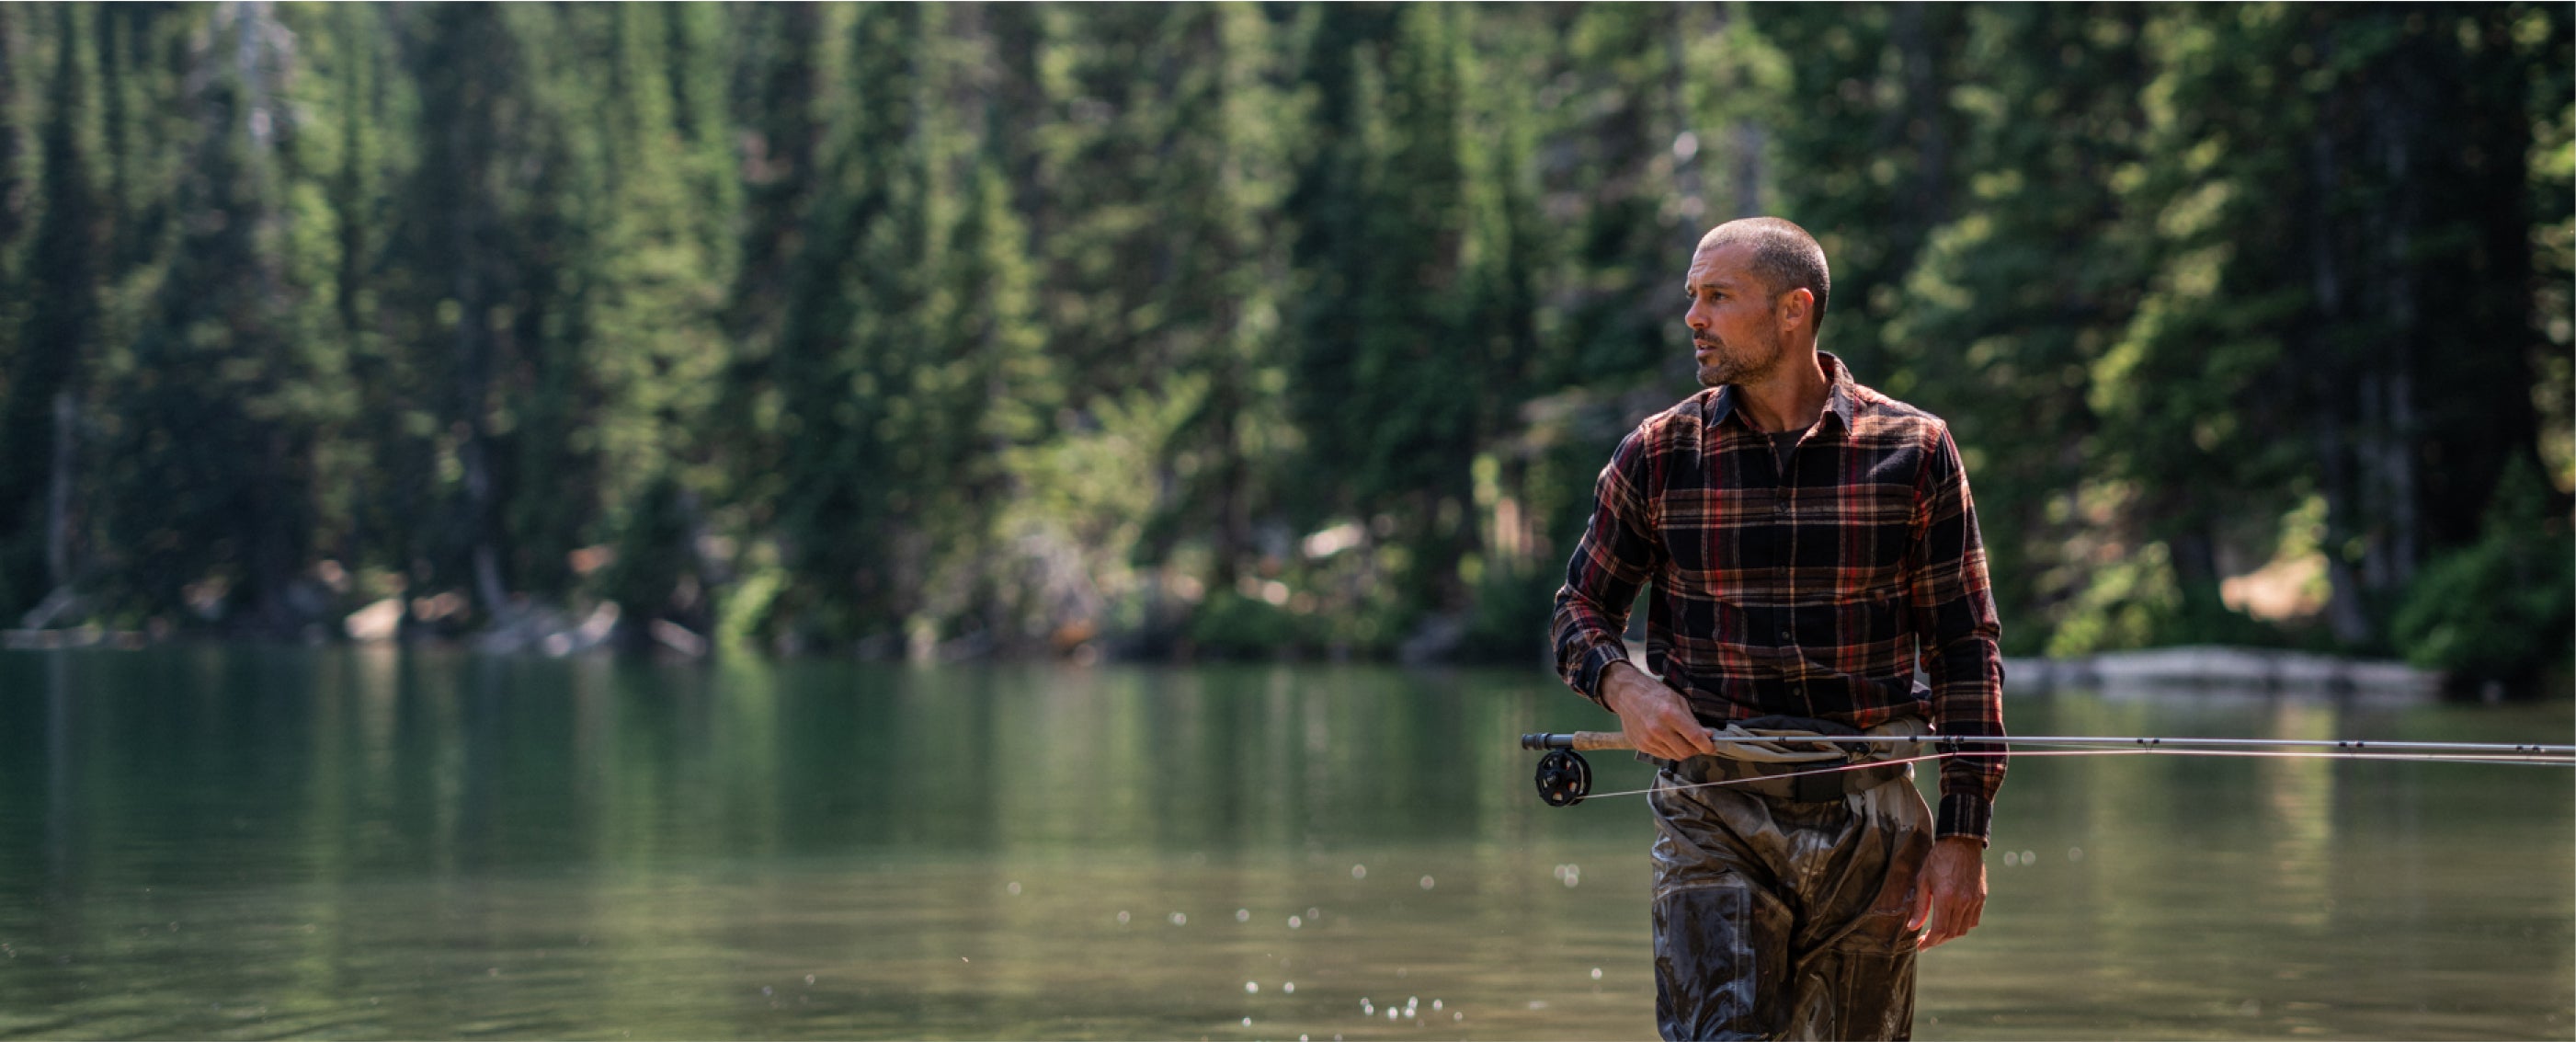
1794	306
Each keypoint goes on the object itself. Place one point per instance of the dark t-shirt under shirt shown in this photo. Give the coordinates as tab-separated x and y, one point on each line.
1781	444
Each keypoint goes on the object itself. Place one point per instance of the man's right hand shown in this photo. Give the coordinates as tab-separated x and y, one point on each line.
1654	717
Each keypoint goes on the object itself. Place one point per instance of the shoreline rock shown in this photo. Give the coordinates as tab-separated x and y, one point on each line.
2231	670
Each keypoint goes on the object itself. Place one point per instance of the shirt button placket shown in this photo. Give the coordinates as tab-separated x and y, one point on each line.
1780	515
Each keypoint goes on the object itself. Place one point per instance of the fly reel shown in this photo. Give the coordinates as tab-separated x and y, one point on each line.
1564	778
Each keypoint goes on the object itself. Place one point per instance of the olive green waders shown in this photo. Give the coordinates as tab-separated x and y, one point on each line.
1780	914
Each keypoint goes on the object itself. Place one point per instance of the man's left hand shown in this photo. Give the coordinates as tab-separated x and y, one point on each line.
1950	892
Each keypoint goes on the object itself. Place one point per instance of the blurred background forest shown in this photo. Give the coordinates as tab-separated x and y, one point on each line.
1239	330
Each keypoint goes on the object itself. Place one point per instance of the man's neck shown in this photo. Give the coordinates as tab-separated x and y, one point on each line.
1789	398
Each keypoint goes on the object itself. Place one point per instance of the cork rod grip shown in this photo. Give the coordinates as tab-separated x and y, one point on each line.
1579	741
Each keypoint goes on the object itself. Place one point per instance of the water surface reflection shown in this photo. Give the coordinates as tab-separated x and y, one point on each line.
248	842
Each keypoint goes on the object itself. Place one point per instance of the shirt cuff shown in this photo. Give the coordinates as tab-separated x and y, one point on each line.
1589	670
1965	814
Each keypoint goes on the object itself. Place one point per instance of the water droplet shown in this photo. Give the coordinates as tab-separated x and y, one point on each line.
493	972
764	989
2074	853
2029	858
1243	915
1573	880
1426	882
1014	888
1457	1016
809	978
2011	859
1411	1004
1247	1021
1122	918
1314	913
1367	1010
1359	871
1536	1004
1294	922
1252	987
1180	920
1392	1012
1289	988
1435	1005
1596	973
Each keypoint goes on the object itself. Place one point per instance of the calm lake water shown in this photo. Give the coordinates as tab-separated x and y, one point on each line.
256	843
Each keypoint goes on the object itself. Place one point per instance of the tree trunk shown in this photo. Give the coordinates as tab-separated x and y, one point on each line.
1924	110
58	492
2346	599
473	380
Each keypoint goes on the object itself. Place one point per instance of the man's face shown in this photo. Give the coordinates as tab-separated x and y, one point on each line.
1733	318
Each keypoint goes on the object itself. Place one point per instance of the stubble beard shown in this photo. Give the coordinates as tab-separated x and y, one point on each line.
1733	365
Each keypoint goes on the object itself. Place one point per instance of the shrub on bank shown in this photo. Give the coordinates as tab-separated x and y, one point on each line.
2499	609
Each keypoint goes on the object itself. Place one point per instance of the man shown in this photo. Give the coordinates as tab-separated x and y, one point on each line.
1808	540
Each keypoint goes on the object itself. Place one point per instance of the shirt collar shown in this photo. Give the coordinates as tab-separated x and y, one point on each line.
1839	399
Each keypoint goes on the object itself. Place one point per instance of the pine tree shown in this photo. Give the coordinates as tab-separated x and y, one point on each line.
207	466
1998	328
1381	252
845	360
1870	164
2319	198
49	371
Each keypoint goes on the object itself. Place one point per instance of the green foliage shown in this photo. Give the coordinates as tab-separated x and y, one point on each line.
47	364
1510	620
1258	327
2500	608
1231	625
654	573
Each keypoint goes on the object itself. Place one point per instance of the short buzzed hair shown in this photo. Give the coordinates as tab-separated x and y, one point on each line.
1784	256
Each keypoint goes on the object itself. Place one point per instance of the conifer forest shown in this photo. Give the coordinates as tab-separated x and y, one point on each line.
1205	330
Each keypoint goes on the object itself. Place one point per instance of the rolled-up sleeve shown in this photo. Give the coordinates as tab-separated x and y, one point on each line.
1956	629
1618	554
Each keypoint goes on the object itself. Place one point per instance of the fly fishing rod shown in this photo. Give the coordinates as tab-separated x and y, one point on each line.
1564	778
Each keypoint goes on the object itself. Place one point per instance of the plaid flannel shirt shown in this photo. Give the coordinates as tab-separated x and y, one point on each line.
1805	591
